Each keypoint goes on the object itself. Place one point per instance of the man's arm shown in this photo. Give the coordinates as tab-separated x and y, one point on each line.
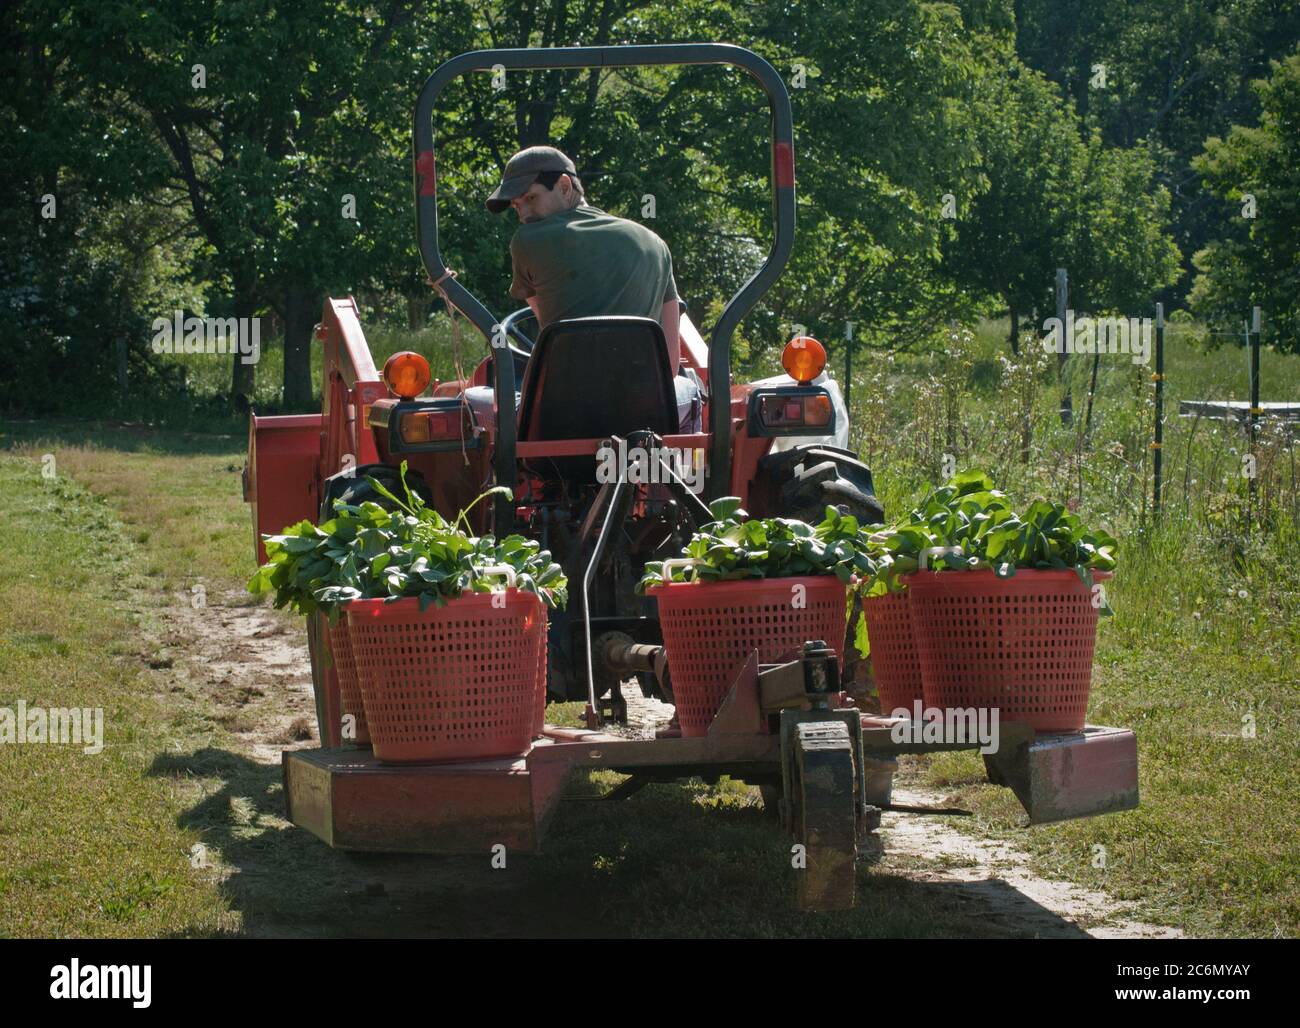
670	318
521	288
670	315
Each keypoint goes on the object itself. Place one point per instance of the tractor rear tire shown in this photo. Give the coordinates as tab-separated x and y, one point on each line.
808	479
354	486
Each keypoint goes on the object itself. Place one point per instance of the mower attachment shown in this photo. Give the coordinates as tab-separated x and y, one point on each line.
1073	774
834	768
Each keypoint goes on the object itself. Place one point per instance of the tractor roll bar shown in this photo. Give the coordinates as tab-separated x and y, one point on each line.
719	467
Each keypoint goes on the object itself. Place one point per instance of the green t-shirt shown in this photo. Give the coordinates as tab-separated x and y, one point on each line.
583	262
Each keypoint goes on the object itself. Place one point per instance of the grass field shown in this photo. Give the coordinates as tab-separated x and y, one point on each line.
1200	659
89	843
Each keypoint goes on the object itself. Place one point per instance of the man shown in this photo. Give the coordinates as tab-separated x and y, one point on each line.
571	260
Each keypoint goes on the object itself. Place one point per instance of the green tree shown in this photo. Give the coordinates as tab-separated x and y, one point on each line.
1169	73
84	266
259	118
1056	198
1119	250
1255	173
1015	232
883	135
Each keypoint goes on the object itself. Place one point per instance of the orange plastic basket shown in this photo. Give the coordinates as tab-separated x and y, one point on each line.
346	670
710	628
895	663
1023	645
539	719
459	682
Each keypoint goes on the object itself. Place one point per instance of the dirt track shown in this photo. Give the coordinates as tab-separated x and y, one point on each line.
252	664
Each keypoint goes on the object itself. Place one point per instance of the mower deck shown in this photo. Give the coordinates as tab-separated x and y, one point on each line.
353	802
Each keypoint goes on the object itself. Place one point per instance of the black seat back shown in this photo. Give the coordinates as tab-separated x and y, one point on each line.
589	378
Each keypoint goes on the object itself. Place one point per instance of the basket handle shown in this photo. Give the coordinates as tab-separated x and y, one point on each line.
501	569
937	551
676	562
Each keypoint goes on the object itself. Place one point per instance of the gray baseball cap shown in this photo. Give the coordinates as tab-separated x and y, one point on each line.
521	172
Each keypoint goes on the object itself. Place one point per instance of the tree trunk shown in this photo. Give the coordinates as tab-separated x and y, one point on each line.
301	307
241	378
417	310
1015	331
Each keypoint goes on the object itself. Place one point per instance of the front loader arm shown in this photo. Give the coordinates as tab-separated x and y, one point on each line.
289	456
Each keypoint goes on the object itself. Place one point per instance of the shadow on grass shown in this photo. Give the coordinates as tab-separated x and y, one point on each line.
672	861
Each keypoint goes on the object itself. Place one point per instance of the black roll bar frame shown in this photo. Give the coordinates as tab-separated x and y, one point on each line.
783	208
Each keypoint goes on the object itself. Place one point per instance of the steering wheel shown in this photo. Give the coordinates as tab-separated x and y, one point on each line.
511	328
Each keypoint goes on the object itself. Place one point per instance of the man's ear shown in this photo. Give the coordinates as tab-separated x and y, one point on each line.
566	190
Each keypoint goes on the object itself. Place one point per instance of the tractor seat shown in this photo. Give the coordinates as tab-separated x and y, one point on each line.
590	378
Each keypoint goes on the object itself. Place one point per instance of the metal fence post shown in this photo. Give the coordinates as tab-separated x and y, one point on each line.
1159	377
1062	305
1252	344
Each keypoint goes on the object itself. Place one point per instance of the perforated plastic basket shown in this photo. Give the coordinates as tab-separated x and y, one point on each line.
895	662
459	682
346	670
539	719
1021	644
710	628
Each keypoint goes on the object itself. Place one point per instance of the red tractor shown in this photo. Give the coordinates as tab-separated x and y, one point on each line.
541	416
585	388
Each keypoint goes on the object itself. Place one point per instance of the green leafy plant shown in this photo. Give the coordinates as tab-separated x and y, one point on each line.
368	552
967	524
732	546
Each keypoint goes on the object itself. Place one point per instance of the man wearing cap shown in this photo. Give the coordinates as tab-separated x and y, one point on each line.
571	260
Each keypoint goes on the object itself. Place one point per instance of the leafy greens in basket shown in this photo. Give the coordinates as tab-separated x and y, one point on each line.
967	524
729	548
368	552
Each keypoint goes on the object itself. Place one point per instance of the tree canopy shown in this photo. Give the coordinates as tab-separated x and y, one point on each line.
250	157
1255	172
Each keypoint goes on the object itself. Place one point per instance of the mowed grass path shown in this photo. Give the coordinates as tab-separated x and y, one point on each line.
90	843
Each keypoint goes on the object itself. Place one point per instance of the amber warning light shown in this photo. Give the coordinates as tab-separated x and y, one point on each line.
406	374
803	359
